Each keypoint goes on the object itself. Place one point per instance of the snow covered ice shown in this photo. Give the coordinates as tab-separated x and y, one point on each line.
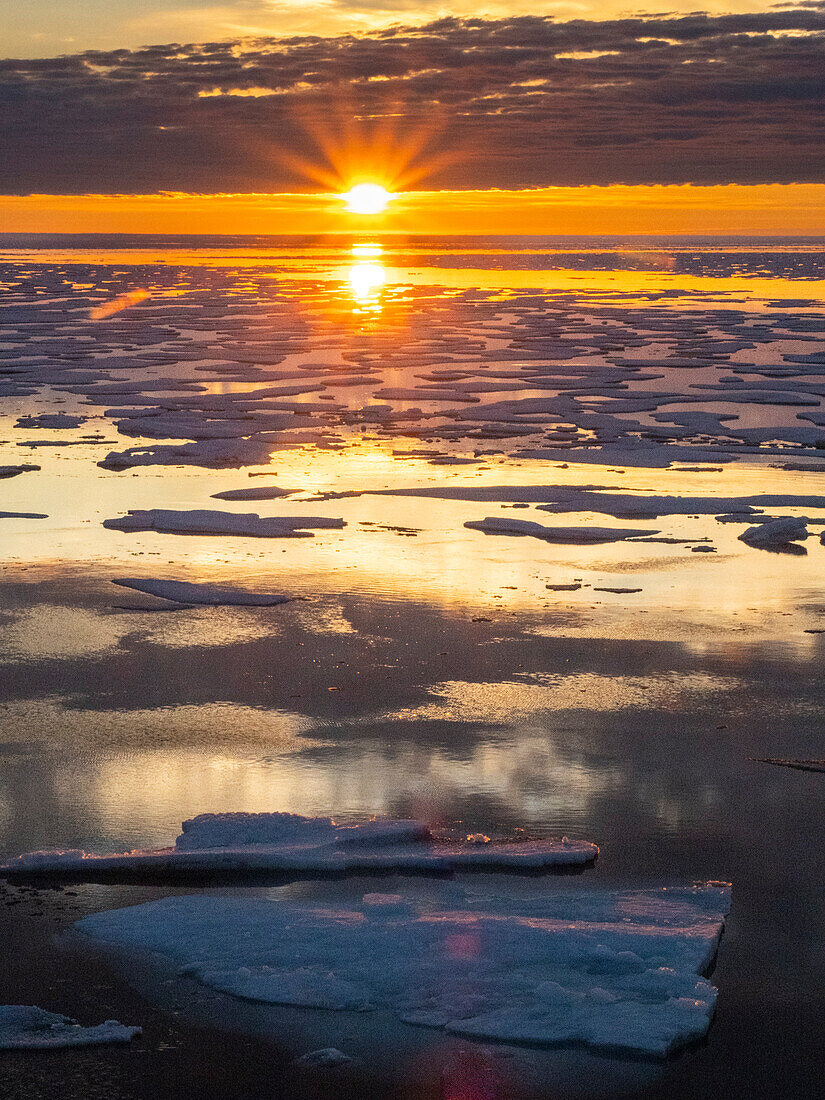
235	843
24	1027
612	970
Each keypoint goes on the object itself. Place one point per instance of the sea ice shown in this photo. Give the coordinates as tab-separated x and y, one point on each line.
24	1027
235	843
13	471
325	1058
262	492
501	525
201	521
214	595
615	970
50	420
776	532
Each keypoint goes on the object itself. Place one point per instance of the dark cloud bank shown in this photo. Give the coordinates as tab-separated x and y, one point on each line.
701	99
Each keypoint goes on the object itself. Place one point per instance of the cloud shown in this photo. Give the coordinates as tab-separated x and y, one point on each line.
518	102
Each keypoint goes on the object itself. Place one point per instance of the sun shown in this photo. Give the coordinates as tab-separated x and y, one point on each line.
367	198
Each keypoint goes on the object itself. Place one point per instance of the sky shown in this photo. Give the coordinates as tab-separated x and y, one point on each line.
698	119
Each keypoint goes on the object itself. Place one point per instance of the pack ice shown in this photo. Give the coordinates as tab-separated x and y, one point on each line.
608	969
238	842
24	1027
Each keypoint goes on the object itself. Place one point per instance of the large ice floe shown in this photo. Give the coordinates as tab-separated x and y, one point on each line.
614	970
24	1027
235	843
210	595
203	521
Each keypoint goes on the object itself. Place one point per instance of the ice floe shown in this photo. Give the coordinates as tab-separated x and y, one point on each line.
13	471
503	525
775	533
602	499
24	1027
256	492
213	595
50	420
235	843
201	521
613	970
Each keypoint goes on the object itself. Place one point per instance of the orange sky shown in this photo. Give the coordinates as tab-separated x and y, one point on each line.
767	209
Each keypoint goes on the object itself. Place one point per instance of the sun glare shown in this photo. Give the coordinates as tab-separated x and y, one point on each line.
367	198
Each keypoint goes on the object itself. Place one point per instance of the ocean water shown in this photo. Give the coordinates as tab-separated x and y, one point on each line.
423	667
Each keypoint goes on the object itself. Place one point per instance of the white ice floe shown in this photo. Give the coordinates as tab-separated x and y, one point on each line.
235	843
500	525
202	521
775	533
616	970
213	595
24	1027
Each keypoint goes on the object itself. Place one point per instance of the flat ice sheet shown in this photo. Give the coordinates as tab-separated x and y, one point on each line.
204	521
235	843
256	492
212	595
615	970
24	1027
502	525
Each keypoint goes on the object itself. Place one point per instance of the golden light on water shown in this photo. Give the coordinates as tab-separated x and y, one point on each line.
367	199
367	275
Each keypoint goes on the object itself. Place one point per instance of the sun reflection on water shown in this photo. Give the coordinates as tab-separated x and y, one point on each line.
367	277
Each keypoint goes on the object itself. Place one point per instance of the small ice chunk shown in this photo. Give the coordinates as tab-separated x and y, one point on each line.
212	595
326	1058
24	1027
776	532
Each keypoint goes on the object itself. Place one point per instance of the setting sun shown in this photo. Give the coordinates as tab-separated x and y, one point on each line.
367	198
